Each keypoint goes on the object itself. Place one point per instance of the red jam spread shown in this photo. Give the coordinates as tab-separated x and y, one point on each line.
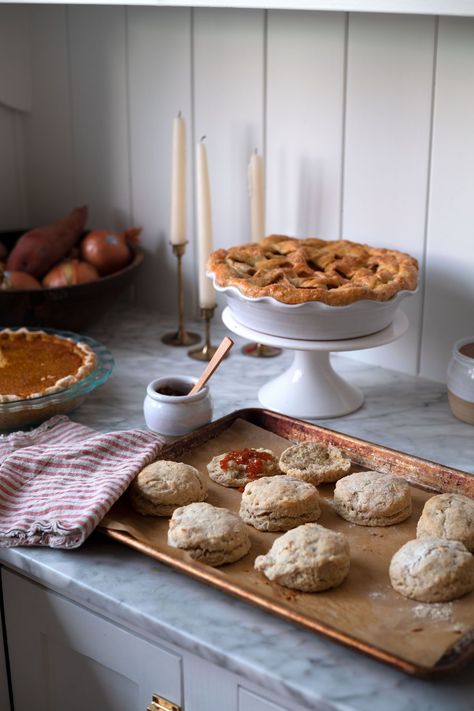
251	459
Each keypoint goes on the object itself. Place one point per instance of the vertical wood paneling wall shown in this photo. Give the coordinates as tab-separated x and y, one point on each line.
365	122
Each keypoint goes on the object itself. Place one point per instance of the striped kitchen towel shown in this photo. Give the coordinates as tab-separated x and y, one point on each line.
59	480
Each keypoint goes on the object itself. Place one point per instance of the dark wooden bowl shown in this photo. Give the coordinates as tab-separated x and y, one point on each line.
73	308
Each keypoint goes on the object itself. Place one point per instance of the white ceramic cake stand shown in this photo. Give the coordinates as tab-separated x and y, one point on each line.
311	388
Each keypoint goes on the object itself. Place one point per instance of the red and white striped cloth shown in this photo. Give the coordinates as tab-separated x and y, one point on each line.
58	481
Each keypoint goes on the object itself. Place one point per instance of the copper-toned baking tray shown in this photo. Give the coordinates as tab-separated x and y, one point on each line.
364	613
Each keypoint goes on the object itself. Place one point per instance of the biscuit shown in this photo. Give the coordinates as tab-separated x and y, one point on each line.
372	499
279	503
209	534
448	516
237	468
432	570
309	558
314	463
163	486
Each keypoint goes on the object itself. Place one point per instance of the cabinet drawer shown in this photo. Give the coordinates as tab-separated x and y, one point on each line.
63	656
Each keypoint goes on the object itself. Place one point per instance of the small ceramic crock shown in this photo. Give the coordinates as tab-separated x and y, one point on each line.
461	380
176	415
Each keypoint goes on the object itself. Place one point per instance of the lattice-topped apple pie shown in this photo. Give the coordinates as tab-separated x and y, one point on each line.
296	271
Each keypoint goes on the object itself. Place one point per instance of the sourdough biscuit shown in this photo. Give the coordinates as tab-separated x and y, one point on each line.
163	486
237	468
432	570
314	463
372	499
308	558
448	516
278	503
209	534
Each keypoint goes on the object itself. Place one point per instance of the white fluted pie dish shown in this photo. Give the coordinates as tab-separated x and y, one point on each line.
312	321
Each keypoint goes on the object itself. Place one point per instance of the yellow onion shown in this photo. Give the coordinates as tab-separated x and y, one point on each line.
107	251
70	272
19	280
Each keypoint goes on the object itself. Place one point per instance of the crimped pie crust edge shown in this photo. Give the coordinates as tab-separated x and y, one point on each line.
226	275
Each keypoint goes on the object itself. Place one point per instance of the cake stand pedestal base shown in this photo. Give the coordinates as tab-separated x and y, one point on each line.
310	388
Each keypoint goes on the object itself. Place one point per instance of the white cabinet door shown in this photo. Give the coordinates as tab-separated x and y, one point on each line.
208	687
65	657
248	701
4	698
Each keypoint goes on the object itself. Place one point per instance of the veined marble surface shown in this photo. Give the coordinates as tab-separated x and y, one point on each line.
400	411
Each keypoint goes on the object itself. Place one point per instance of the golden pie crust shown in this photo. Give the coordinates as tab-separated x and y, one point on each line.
295	271
36	363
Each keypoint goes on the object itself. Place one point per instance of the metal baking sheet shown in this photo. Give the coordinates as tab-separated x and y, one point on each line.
364	613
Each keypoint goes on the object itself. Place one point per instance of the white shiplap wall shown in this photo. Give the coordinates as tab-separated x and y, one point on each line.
365	121
15	101
387	146
449	295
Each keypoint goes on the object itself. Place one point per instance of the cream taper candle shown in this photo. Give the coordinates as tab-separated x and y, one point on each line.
257	197
178	182
207	297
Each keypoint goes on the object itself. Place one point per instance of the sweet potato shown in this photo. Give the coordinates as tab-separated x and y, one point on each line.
38	250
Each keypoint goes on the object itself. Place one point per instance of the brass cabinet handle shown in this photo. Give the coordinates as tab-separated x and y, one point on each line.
159	703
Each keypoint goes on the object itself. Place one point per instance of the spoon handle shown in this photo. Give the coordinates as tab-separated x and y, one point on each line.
224	346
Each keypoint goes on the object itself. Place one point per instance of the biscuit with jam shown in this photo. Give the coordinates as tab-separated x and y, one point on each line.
239	467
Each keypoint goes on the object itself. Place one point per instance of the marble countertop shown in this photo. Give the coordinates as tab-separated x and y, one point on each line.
400	411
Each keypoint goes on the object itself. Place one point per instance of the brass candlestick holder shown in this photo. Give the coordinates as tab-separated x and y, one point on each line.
207	350
181	337
259	350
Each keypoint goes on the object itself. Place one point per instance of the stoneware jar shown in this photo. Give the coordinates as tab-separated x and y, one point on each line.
461	380
170	411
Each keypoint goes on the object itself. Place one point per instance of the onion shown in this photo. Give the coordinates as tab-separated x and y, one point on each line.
19	280
69	273
107	251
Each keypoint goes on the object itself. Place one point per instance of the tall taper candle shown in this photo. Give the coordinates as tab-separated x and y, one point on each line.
178	182
207	297
257	197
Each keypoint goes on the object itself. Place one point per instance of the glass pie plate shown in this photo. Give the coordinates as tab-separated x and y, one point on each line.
22	413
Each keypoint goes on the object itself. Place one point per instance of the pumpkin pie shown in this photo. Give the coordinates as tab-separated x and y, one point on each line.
36	363
296	271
